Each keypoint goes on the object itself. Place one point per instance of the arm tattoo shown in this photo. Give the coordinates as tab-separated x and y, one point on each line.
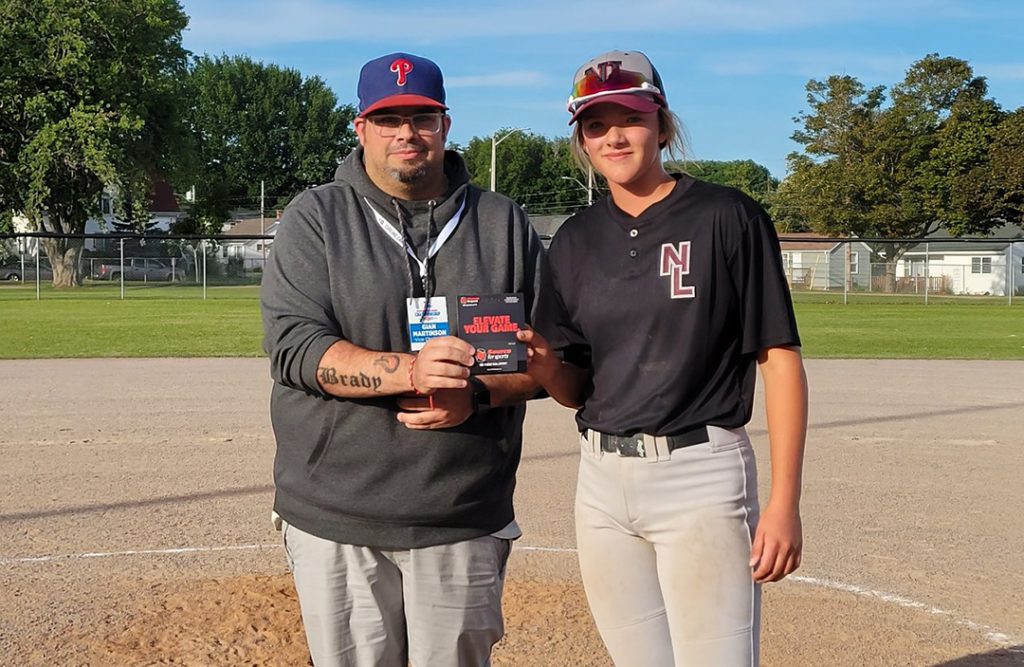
389	362
328	375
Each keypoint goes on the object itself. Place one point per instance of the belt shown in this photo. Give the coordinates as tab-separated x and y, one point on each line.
633	445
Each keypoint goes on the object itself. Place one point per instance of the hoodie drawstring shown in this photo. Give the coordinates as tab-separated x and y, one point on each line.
401	226
426	280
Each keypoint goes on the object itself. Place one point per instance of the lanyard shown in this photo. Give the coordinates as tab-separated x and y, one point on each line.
400	239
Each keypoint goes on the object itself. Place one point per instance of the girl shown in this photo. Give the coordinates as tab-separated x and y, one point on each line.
664	298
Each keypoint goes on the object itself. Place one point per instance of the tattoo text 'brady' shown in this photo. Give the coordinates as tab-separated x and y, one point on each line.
330	375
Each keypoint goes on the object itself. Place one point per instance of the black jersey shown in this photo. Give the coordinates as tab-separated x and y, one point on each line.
669	309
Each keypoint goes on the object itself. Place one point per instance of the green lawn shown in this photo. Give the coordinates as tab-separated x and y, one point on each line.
150	322
174	321
912	331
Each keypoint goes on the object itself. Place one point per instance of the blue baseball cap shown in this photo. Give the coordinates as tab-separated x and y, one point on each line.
400	80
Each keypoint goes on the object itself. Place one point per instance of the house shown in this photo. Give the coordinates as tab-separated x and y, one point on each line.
247	248
969	265
163	213
812	262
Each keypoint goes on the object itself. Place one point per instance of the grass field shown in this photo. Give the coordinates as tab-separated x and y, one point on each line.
150	322
174	321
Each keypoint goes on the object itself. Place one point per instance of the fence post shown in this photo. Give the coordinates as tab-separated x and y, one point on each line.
847	254
926	273
1013	270
122	267
38	295
203	246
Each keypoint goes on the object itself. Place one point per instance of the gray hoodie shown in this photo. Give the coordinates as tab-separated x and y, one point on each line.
346	469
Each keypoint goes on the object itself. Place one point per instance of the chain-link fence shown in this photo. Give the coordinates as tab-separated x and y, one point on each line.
904	270
818	269
97	263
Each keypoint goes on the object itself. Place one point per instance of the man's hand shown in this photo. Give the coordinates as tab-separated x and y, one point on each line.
443	363
778	544
444	408
440	373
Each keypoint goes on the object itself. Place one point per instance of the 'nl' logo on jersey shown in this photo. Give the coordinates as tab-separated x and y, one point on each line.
675	263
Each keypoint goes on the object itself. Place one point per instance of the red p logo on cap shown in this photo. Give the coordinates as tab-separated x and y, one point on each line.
401	67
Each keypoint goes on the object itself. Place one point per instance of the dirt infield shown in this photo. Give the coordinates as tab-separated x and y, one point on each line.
134	499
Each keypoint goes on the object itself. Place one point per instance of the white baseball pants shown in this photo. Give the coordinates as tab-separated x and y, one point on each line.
664	549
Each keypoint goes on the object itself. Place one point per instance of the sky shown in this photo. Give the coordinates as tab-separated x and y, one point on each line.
734	71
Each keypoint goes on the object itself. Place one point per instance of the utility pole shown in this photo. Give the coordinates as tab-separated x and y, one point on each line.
263	228
495	140
589	187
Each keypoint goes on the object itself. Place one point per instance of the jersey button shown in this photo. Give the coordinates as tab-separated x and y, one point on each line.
633	233
632	253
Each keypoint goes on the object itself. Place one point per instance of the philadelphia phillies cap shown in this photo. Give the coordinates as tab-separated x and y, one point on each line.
400	80
621	77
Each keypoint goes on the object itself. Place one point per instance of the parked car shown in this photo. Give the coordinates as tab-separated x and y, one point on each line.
139	268
13	272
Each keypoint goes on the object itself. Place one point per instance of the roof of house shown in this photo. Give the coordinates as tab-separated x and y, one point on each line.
547	225
249	227
806	241
162	199
942	241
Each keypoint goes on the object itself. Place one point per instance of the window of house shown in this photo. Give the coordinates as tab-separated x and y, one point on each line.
104	204
981	265
853	263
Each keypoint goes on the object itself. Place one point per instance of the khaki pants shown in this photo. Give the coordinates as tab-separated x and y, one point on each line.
664	550
431	607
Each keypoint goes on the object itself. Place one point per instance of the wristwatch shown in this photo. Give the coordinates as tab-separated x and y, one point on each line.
481	394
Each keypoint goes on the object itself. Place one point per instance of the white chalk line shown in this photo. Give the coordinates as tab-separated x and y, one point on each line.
137	552
991	634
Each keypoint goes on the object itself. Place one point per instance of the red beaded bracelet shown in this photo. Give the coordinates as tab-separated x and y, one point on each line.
412	367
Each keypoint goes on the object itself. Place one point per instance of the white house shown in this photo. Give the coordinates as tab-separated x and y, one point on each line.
252	251
163	210
969	265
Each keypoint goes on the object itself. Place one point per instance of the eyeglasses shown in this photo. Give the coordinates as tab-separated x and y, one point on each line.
388	125
620	80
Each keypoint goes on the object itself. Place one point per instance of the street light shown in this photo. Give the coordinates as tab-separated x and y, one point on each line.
589	187
495	140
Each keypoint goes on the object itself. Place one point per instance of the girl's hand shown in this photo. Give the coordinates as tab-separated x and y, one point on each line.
778	544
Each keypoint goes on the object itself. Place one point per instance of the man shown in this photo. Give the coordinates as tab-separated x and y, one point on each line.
395	470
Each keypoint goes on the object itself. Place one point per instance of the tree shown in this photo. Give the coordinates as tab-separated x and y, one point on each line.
537	172
895	171
87	99
253	122
998	186
746	175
